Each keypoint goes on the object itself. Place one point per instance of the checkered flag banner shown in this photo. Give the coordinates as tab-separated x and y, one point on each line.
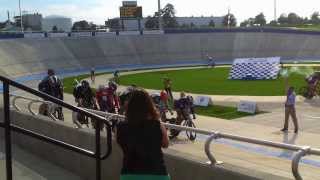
255	68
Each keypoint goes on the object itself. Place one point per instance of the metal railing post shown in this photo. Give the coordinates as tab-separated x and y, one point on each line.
7	129
213	160
295	162
98	149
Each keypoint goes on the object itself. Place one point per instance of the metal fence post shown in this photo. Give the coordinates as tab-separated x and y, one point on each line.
98	149
7	130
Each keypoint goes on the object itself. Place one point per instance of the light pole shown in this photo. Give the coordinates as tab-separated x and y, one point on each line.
275	10
21	25
159	13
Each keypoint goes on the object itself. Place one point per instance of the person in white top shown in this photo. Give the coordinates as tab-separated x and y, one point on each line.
290	110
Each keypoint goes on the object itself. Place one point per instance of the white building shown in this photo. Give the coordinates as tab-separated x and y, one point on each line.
199	21
62	23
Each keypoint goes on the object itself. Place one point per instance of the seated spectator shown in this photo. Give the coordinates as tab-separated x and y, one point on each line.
141	137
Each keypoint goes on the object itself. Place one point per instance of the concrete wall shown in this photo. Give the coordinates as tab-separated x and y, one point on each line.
24	56
179	167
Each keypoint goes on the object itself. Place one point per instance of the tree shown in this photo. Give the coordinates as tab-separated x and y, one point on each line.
248	23
294	19
54	29
260	19
81	26
273	23
315	18
168	14
283	19
152	22
211	23
113	24
229	20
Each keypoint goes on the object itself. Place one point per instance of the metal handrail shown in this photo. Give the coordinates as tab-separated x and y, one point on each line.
8	127
213	135
301	150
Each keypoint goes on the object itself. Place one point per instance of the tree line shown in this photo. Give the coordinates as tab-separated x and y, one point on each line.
168	20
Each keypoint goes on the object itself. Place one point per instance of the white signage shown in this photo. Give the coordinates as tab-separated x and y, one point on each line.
203	101
129	33
34	35
81	34
54	35
247	106
153	32
105	34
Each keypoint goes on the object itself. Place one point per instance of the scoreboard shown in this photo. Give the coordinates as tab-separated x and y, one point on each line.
131	12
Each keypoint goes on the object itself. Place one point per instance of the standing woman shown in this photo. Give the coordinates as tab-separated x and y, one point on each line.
290	110
141	137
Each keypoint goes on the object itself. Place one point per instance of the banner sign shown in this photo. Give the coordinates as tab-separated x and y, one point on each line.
81	34
57	35
34	35
105	33
129	33
255	68
153	32
247	106
203	101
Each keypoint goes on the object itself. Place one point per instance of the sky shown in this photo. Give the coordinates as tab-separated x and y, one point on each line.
98	11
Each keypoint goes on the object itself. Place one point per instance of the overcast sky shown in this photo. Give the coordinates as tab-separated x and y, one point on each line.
98	11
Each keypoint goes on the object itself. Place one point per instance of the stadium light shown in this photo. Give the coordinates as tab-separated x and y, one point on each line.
159	12
275	10
21	26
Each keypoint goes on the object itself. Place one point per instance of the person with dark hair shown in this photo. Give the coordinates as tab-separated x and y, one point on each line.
290	110
141	137
52	86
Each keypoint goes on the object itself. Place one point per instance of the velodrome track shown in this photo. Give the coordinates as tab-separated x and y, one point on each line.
22	57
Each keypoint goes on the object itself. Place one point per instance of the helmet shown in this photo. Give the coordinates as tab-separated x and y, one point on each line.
85	83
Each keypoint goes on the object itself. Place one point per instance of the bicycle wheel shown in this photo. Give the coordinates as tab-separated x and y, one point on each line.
190	134
318	89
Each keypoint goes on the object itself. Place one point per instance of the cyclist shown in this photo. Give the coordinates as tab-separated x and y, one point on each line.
52	86
164	105
86	99
167	82
312	83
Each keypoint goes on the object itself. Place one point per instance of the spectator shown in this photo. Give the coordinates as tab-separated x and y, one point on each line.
92	75
167	86
141	137
290	110
52	86
116	76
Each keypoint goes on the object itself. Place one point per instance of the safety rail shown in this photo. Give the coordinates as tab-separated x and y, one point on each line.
213	135
8	127
301	150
